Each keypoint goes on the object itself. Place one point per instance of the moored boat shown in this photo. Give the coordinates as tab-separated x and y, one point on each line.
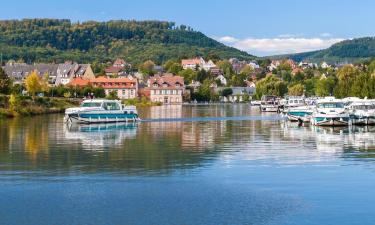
330	112
101	111
302	114
269	103
362	112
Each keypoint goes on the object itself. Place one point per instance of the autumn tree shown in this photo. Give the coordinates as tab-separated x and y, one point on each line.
147	68
33	83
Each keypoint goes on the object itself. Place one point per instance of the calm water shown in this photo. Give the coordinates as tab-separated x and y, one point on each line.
217	165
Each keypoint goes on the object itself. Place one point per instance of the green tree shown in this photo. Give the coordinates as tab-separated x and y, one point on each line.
325	86
112	95
271	85
188	75
346	76
296	90
5	82
226	92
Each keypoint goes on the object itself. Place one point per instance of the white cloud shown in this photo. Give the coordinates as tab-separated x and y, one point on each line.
228	39
274	46
325	35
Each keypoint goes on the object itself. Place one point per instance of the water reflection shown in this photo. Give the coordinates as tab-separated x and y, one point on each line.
100	135
45	145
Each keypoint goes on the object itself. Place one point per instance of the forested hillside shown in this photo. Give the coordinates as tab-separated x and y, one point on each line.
47	40
346	51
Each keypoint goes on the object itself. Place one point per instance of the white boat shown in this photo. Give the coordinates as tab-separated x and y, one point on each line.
295	101
330	112
255	103
301	114
101	111
362	112
269	103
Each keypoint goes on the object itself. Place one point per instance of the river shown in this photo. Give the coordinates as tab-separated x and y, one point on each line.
222	164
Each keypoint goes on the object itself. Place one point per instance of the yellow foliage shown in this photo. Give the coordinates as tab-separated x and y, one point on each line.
33	83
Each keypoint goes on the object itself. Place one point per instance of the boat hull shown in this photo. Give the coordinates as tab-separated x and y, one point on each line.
299	116
101	118
269	108
330	121
364	121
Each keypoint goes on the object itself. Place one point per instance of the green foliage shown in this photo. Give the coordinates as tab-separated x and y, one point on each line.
112	95
57	40
346	77
325	86
271	85
296	90
147	68
188	75
5	82
345	51
226	92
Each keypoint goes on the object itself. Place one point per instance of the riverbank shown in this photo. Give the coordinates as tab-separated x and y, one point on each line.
12	106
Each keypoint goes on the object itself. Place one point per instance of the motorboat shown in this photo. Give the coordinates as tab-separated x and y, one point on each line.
362	112
269	103
294	101
330	112
301	113
101	111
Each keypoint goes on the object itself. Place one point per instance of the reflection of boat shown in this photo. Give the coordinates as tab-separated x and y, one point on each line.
101	111
101	134
269	103
330	112
362	113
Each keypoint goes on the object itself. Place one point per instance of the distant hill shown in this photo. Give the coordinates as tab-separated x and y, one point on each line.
57	40
346	51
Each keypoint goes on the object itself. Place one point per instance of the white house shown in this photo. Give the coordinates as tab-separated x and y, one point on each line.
222	79
324	65
208	65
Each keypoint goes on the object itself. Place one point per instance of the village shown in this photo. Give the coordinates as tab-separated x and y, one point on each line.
187	81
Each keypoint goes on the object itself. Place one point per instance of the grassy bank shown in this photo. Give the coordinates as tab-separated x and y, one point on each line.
11	106
143	102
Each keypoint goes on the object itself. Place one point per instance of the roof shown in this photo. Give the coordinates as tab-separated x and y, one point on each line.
103	79
168	79
119	62
79	82
194	61
113	69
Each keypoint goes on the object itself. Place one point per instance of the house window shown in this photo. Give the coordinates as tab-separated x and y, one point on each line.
174	92
123	92
168	92
132	92
155	85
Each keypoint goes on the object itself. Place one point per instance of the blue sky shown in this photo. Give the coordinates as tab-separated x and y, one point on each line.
261	27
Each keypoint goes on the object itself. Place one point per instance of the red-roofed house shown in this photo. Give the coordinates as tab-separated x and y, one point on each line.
117	68
79	81
192	63
167	89
126	88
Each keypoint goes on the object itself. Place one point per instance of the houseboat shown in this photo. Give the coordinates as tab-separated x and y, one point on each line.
330	112
101	111
269	103
300	114
362	112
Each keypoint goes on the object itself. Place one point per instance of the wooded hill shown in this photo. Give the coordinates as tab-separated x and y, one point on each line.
347	51
57	40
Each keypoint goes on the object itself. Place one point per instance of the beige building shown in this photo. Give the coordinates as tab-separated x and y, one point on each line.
168	89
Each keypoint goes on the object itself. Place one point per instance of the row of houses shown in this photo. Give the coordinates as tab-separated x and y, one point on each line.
57	73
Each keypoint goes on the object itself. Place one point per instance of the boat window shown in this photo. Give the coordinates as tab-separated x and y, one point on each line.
331	105
91	104
111	106
364	107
